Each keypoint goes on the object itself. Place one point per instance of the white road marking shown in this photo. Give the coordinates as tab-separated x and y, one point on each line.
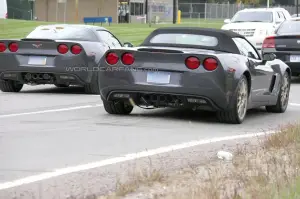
70	109
120	159
294	104
51	110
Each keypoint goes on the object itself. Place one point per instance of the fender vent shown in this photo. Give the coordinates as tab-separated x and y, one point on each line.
272	83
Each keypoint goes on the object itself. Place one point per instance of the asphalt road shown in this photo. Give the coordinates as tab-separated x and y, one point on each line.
35	140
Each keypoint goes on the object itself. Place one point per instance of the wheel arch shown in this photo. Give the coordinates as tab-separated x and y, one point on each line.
248	77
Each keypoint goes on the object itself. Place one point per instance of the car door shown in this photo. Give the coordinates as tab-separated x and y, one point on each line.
262	74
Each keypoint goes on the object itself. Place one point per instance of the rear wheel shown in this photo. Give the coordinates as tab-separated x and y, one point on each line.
10	86
283	96
117	107
239	110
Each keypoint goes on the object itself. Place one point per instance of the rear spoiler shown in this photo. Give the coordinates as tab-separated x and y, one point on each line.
36	39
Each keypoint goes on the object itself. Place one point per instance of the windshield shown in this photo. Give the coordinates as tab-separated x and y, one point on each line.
185	39
60	33
255	16
289	27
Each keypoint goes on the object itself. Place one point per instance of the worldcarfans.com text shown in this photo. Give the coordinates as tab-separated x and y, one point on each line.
108	69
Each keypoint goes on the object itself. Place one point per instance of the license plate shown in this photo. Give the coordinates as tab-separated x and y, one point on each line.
295	58
158	77
37	60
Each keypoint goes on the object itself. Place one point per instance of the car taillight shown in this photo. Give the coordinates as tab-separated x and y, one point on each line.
112	58
269	42
13	47
192	63
6	16
127	59
210	64
76	49
2	47
62	49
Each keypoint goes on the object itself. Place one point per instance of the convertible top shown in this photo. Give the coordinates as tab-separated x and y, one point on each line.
225	42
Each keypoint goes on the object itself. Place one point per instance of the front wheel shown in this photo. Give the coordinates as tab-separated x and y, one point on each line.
239	110
10	86
283	96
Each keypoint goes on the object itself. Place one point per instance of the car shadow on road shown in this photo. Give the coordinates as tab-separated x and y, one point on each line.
195	116
54	90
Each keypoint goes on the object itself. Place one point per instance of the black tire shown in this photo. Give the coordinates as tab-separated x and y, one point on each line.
93	87
62	85
117	107
10	86
232	116
280	107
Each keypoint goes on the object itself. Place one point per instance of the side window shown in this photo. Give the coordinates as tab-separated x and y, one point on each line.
114	41
245	48
104	37
281	15
277	17
109	39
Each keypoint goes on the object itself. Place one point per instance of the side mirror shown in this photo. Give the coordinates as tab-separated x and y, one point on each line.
128	44
269	57
227	21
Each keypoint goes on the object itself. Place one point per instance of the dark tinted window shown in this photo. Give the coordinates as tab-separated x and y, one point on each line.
289	27
185	39
62	33
255	16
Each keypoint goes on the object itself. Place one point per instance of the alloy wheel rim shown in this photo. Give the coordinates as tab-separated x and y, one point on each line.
242	100
284	90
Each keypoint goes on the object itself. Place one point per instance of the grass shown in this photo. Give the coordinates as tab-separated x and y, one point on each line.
134	33
269	171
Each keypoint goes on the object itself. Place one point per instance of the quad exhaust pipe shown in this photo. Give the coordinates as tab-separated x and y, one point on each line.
33	77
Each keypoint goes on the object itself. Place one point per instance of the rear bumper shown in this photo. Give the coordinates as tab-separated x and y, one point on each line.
206	91
61	71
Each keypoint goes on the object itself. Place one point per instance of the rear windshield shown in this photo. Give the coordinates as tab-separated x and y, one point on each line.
289	27
184	39
61	33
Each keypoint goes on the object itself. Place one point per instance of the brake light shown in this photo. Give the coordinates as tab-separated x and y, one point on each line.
192	63
76	49
112	58
269	42
13	47
127	59
2	47
62	49
6	16
210	64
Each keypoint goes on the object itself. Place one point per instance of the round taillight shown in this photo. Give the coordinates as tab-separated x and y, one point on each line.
62	49
127	59
13	47
210	64
112	58
192	63
2	47
76	49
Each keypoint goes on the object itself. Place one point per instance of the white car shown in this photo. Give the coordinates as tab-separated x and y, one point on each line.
256	23
3	9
